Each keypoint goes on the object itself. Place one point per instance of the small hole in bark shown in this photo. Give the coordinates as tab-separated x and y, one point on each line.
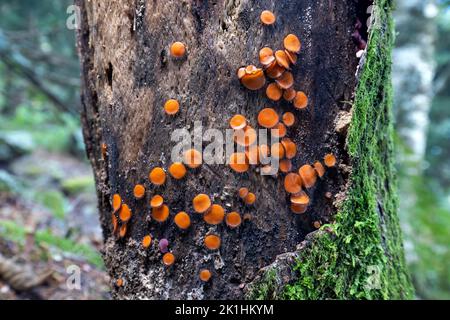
109	74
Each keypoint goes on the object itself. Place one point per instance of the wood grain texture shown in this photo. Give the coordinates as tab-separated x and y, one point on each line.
127	77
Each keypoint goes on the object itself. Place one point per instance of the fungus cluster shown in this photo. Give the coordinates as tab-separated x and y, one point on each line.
275	70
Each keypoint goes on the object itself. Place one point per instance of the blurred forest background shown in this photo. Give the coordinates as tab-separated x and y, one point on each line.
48	218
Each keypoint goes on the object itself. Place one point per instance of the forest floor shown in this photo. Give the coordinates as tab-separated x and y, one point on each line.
49	224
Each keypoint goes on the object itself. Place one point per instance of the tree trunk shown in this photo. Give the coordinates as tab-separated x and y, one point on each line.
128	75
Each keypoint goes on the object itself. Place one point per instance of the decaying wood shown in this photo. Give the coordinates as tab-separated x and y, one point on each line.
127	77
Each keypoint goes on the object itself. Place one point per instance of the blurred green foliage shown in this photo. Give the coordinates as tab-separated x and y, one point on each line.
425	185
39	124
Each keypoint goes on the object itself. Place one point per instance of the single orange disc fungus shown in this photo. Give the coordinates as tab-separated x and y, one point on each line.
300	100
157	176
205	275
292	43
177	170
268	118
329	160
147	241
214	215
238	122
233	219
243	192
201	203
139	191
193	158
171	107
319	169
289	94
273	92
182	220
292	183
160	214
116	202
239	162
178	50
266	56
250	198
212	242
267	17
288	119
125	213
282	59
168	259
157	201
308	175
285	81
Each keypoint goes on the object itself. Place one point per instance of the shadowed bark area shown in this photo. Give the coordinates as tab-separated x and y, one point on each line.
127	77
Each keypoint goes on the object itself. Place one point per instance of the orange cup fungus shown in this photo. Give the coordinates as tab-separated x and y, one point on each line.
178	50
171	107
245	137
285	81
116	202
277	151
319	169
233	219
139	191
125	213
279	131
214	215
273	92
119	282
243	192
300	100
282	59
201	203
253	154
239	162
268	118
274	70
292	43
292	183
291	56
266	56
123	231
238	122
288	119
156	201
193	158
290	148
267	17
212	242
300	198
147	241
289	94
250	198
157	176
317	224
182	220
252	77
160	214
205	275
285	165
177	170
168	259
308	175
329	160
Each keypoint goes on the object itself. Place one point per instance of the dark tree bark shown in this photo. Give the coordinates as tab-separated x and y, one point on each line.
127	77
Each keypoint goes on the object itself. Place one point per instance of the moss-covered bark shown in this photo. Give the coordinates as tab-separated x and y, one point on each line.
360	255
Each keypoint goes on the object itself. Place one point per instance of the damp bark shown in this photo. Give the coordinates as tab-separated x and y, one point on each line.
127	77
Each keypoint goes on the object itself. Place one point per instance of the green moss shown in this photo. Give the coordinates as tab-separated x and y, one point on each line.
361	257
267	288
